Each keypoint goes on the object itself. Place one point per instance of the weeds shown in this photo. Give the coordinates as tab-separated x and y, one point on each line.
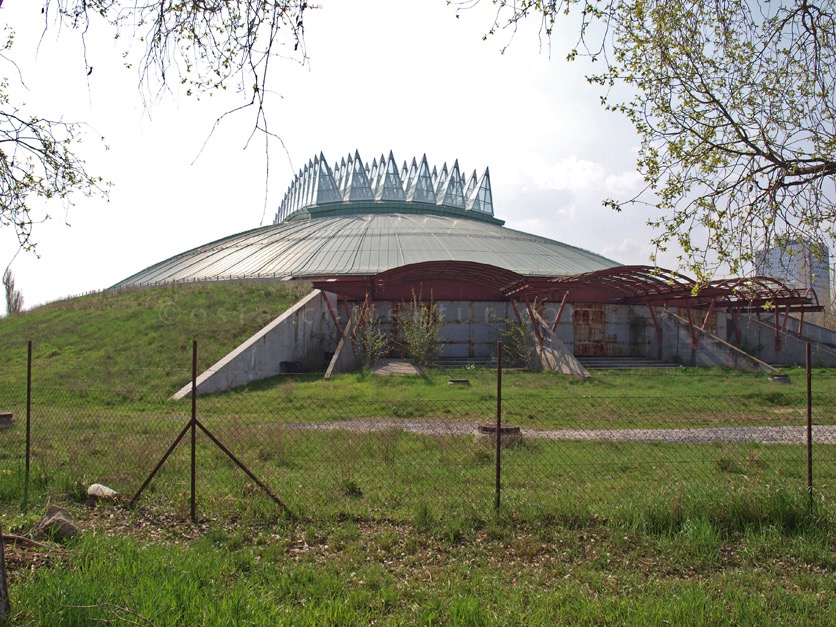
420	323
369	341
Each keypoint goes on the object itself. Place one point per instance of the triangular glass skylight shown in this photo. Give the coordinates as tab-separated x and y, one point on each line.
391	187
441	183
424	189
453	192
471	186
411	179
358	185
351	180
327	190
482	200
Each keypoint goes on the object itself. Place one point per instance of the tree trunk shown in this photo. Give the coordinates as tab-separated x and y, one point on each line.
5	606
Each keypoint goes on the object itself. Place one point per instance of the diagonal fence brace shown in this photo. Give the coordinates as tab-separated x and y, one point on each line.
246	470
162	461
196	423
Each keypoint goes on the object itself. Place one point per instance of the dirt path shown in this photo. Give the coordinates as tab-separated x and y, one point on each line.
822	434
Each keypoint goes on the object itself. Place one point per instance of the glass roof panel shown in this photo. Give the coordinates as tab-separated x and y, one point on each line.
392	187
453	192
482	200
358	185
327	190
424	191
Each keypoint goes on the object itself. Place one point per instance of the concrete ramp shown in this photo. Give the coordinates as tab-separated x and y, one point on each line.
710	350
758	336
553	355
299	336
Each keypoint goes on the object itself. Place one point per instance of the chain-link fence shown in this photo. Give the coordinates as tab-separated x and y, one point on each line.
565	454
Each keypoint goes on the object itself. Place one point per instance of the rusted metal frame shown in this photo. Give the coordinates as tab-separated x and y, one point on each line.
333	313
347	310
241	465
656	324
777	330
708	315
560	311
801	324
786	319
735	317
516	311
534	322
691	329
359	322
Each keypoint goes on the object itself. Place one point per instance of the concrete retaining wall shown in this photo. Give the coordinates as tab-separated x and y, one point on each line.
303	334
758	338
710	351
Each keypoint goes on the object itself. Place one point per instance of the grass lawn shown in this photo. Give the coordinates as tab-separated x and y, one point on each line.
391	498
152	568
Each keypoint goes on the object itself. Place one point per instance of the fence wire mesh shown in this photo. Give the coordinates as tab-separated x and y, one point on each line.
576	454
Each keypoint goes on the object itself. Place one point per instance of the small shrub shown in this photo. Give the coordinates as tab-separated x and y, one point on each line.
369	341
387	443
517	349
351	489
424	519
482	455
420	325
729	465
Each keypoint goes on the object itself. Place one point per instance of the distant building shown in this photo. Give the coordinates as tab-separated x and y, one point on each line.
799	264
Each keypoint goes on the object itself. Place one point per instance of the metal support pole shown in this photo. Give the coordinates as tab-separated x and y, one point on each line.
560	311
498	423
28	424
809	426
5	605
194	428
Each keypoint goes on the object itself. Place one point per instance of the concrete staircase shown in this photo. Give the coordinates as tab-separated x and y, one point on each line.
621	363
462	362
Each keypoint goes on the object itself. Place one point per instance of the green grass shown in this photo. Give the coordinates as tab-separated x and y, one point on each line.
389	526
485	573
139	341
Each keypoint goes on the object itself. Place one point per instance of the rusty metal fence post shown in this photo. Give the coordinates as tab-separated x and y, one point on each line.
809	426
28	424
193	507
498	424
5	604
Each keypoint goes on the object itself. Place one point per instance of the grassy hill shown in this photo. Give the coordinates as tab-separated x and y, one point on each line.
136	339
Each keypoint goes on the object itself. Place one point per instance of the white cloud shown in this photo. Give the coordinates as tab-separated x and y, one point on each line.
570	174
623	185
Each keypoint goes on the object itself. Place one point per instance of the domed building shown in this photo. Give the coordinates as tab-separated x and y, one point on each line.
378	235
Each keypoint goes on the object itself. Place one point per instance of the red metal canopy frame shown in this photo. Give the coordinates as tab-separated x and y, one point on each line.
627	285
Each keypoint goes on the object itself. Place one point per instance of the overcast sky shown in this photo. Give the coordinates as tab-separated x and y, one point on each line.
400	75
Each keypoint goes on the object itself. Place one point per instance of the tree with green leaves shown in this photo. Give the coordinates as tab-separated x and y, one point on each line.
734	102
14	298
201	45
